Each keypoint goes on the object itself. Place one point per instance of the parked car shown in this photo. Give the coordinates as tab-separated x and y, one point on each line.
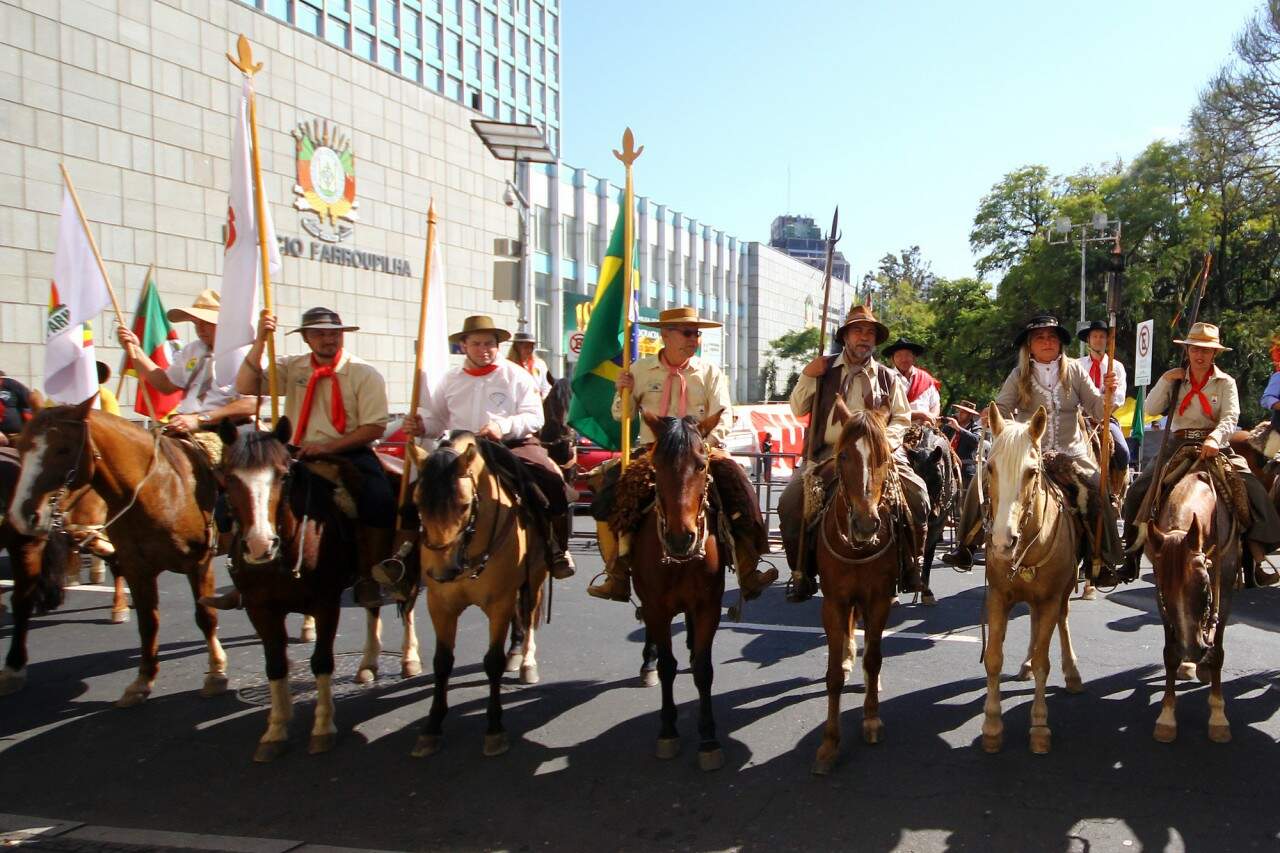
590	456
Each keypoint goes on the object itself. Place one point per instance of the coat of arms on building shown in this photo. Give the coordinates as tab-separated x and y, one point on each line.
326	185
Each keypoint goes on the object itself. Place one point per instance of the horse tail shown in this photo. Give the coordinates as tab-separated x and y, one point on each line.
48	592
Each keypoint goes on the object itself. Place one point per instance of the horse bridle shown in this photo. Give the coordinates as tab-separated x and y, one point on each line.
699	549
476	564
888	496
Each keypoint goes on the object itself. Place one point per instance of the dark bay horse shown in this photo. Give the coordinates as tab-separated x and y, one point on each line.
476	549
931	458
1031	556
159	492
1194	548
676	568
858	565
293	551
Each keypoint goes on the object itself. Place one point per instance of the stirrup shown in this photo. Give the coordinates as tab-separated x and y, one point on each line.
759	583
800	587
598	591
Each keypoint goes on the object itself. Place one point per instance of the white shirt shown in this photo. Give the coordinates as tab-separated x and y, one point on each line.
1086	362
929	401
540	373
192	371
507	397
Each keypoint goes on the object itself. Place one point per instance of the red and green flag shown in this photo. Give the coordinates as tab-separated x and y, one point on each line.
155	334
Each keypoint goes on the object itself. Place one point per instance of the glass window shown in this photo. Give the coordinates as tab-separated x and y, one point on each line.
491	72
540	59
278	9
655	261
412	32
363	14
508	39
539	99
454	59
540	283
569	225
388	18
433	38
491	106
553	29
523	87
542	229
555	104
491	29
433	79
543	322
412	69
473	70
536	25
553	140
388	56
473	17
453	89
308	19
363	46
673	271
525	118
555	66
456	14
593	243
338	32
511	113
508	80
524	49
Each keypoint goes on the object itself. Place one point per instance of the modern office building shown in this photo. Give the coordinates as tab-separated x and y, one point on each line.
801	238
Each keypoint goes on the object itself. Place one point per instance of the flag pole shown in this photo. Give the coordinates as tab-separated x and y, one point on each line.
1104	436
128	360
248	69
102	267
421	347
628	156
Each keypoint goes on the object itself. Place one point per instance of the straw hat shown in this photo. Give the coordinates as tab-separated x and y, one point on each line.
680	317
1204	335
864	314
966	406
318	319
204	308
1043	321
480	323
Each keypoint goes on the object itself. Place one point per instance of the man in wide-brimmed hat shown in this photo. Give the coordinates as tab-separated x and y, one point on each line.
964	431
205	403
1206	416
1096	362
917	383
522	352
498	401
860	381
337	406
1046	377
676	383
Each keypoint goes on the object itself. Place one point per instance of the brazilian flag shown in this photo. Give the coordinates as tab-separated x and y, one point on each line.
1138	429
600	361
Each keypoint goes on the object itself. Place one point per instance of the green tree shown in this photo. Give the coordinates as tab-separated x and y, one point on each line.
797	345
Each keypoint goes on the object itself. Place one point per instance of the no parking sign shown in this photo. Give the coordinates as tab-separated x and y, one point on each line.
1142	349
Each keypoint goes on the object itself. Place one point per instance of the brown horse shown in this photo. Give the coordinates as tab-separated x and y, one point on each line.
476	548
1032	556
676	569
160	494
858	565
293	551
1195	550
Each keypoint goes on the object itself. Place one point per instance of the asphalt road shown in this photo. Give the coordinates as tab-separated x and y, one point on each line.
581	774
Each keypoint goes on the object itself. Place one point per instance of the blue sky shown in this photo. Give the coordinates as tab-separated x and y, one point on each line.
903	113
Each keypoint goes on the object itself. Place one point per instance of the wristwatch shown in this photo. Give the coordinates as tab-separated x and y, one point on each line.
204	419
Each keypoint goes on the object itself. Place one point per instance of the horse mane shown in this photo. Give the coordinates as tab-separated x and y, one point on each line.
437	480
680	438
865	423
555	409
255	450
1011	445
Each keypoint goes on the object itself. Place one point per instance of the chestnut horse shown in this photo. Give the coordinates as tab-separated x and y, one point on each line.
1032	556
858	565
159	492
476	548
676	568
1194	548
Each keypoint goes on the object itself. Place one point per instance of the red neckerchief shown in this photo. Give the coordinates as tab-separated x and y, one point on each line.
528	365
480	371
674	374
1095	369
337	409
1197	391
921	381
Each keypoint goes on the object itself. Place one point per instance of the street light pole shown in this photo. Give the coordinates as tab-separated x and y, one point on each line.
1105	231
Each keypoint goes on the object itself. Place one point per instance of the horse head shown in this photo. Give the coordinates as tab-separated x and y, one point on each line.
926	460
1013	472
1185	591
681	480
448	499
55	455
255	468
864	460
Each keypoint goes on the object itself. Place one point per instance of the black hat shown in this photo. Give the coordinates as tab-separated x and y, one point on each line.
1043	321
1092	326
903	343
322	318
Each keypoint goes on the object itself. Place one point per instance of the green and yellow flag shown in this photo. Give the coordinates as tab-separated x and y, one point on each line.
600	362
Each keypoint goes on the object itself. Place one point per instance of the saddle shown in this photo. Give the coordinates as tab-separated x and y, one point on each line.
1226	480
346	487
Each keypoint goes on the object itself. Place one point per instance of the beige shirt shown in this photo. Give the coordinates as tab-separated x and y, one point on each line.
1062	402
1224	403
708	393
863	383
364	395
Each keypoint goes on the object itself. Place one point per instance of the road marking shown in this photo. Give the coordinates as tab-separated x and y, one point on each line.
946	636
80	587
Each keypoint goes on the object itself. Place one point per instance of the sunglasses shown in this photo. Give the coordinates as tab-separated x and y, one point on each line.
689	333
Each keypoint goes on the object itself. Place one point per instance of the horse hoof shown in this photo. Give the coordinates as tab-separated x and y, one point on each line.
648	678
1040	740
1220	734
132	698
1024	674
711	759
495	744
992	743
1165	733
119	617
215	684
1186	671
11	681
410	669
307	634
1089	594
529	674
270	751
872	731
668	747
367	675
321	743
426	745
1075	685
514	661
823	766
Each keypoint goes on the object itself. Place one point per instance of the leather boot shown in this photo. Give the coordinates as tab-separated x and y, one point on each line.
1262	576
615	583
393	573
960	556
373	545
753	582
801	587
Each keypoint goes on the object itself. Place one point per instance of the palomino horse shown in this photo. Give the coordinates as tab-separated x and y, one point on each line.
1031	556
858	564
476	549
676	568
160	494
1194	548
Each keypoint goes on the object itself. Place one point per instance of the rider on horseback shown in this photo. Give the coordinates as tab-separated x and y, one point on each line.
965	435
862	383
917	383
522	353
1045	377
1205	416
1096	363
497	400
675	383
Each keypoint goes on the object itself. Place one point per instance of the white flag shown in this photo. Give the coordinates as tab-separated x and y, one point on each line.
77	294
242	264
435	355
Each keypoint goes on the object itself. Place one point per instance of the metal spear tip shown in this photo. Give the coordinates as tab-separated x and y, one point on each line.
245	61
629	152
